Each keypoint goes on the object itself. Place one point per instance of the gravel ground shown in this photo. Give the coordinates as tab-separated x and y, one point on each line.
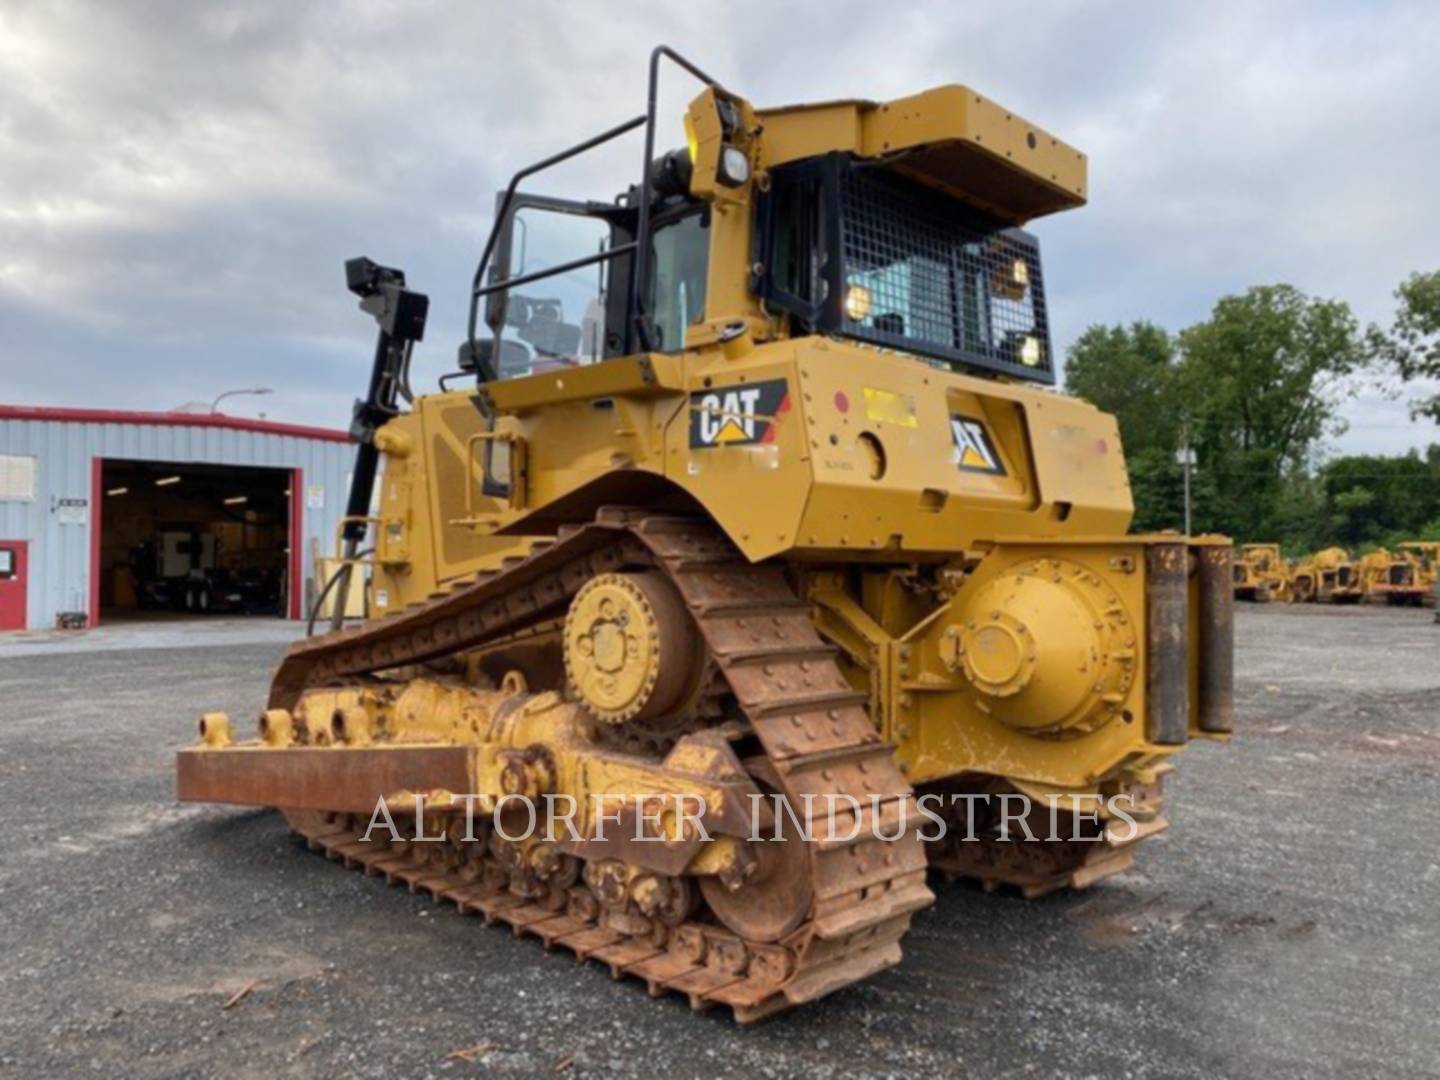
1286	926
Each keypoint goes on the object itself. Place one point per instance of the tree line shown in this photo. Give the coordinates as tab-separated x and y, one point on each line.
1254	391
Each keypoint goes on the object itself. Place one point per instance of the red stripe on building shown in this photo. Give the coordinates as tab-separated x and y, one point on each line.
169	419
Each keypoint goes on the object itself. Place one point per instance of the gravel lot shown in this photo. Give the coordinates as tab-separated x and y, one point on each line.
1287	925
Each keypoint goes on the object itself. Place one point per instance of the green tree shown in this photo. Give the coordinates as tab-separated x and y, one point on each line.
1299	521
1128	371
1259	383
1254	388
1157	484
1411	347
1372	499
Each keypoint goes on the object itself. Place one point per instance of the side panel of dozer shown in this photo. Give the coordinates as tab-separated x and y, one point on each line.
826	449
808	448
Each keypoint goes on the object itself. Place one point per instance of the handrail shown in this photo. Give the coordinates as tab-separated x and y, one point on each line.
637	331
552	271
504	207
640	265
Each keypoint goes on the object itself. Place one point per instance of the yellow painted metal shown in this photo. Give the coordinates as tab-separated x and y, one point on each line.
951	137
1261	573
1425	555
984	594
1330	576
1392	577
1055	697
215	730
627	653
503	725
355	594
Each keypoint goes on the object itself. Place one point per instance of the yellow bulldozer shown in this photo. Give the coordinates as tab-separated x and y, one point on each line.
750	531
1330	576
1261	573
1424	555
1392	578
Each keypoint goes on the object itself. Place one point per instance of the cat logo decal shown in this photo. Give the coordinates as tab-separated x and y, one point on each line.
974	449
740	415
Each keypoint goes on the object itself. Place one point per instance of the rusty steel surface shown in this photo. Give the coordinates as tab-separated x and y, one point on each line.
707	964
1167	643
1216	689
348	779
836	910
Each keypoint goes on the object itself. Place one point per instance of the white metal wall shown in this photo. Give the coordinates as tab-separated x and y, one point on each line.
59	553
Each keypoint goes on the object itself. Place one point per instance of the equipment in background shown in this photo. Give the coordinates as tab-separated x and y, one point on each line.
181	570
177	571
1389	578
1261	573
762	499
1330	576
1424	556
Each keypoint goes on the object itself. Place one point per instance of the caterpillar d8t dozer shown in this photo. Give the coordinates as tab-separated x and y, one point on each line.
755	495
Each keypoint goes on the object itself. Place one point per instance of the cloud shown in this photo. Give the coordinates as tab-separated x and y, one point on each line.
180	183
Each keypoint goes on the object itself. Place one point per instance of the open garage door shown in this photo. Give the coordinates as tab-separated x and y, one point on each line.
187	540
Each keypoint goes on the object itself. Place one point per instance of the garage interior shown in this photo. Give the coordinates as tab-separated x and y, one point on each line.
188	540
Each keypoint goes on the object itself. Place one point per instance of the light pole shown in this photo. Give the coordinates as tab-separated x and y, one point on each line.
214	405
1187	459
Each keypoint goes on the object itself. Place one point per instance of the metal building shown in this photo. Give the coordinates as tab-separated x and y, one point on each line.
104	511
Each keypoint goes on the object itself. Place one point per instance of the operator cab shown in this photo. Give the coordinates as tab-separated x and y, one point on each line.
896	224
577	316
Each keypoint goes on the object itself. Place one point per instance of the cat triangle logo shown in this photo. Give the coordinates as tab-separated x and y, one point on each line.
972	459
974	452
730	431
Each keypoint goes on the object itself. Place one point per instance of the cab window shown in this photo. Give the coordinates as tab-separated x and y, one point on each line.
559	321
676	301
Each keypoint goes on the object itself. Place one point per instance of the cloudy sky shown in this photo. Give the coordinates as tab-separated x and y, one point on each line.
180	182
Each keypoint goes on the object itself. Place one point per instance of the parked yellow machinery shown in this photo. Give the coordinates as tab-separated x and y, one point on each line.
1327	577
1261	573
1392	578
789	512
1425	556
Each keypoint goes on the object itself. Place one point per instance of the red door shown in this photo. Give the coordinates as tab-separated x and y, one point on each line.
12	584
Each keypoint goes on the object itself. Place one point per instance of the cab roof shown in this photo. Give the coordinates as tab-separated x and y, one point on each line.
950	138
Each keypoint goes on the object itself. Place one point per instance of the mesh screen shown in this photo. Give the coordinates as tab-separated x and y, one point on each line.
925	274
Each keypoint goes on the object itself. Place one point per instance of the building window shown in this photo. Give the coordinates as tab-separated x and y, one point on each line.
17	478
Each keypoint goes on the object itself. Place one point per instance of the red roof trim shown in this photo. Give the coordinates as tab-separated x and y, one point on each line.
169	419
